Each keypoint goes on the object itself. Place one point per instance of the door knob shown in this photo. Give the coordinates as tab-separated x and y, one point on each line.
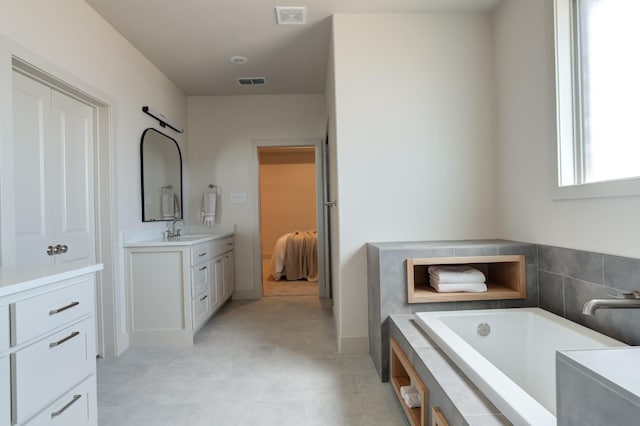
62	248
52	251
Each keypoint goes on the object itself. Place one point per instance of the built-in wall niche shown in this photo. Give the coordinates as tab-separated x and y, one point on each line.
506	278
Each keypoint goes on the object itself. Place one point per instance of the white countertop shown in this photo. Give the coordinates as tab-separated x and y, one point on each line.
617	367
14	279
184	240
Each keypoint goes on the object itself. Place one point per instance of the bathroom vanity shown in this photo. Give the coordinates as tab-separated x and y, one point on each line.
176	285
47	345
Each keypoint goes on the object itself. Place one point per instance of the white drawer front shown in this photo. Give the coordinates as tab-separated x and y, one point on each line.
4	328
200	309
200	252
40	314
5	396
200	278
47	368
222	246
76	407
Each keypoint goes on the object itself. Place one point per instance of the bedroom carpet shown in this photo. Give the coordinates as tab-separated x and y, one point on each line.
271	287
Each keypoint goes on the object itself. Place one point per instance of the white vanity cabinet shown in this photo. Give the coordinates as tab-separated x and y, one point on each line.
47	346
175	287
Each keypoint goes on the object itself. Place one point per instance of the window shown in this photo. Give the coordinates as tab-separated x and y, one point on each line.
598	90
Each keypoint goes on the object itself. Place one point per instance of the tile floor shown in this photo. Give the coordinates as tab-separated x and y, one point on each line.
266	362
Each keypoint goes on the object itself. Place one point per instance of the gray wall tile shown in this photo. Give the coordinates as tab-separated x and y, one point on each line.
551	292
530	251
475	251
577	264
393	282
622	273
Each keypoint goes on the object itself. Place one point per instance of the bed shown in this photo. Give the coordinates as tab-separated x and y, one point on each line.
295	256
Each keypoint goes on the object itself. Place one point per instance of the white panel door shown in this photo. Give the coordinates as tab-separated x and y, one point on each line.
53	145
229	274
31	124
72	123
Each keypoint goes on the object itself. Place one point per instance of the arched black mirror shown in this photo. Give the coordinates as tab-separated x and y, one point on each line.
161	169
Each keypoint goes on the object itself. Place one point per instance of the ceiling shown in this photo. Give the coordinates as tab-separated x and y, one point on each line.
192	41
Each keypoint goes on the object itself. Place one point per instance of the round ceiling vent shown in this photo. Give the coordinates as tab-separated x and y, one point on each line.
239	60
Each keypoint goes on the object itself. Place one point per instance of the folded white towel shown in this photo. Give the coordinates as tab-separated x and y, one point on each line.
411	396
453	287
456	274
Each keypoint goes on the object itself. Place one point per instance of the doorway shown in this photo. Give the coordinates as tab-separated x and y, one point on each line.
289	196
288	220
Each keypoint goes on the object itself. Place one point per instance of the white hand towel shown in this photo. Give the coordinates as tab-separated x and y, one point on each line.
168	206
208	208
456	274
468	287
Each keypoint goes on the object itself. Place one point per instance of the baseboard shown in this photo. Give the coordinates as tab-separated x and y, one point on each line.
353	345
244	295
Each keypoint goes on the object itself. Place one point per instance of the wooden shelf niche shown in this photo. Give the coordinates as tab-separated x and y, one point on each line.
506	278
403	374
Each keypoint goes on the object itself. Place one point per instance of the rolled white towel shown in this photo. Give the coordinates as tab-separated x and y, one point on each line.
467	287
455	274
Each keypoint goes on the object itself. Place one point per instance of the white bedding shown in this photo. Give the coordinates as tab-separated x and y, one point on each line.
299	252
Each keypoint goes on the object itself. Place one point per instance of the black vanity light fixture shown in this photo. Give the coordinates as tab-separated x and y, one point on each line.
164	121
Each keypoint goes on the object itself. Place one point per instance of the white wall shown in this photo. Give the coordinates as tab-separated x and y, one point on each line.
222	131
415	140
70	40
525	70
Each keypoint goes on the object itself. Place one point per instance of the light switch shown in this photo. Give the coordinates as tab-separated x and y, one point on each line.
239	197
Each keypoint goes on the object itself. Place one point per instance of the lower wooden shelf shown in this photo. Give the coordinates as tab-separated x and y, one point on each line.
403	374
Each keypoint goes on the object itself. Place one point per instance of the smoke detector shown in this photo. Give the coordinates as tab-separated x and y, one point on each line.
238	60
251	81
291	15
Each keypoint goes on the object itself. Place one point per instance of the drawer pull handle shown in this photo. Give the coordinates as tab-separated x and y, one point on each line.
64	308
59	342
203	297
203	268
202	254
69	404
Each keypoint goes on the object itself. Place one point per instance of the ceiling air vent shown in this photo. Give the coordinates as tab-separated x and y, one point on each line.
251	81
291	15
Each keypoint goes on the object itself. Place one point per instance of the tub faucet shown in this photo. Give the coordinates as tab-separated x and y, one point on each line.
621	301
171	228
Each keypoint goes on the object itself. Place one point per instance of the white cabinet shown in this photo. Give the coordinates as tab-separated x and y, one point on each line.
176	287
53	178
47	348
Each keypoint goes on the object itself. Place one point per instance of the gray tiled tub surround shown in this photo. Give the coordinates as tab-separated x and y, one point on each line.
387	284
568	278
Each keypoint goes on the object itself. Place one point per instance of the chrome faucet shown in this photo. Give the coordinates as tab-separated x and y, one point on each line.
621	301
171	228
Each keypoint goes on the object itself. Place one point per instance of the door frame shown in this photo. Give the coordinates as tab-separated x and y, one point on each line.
108	311
320	210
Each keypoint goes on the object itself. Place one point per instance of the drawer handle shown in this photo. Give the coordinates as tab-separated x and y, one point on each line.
64	308
202	269
59	342
69	404
203	297
202	254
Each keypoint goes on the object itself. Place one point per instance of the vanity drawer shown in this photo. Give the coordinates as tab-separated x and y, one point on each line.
76	407
200	309
222	245
51	366
4	328
200	278
200	252
40	314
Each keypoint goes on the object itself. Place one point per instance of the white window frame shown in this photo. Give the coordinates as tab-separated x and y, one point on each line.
569	146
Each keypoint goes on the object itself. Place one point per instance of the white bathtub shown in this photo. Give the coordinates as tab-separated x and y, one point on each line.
514	365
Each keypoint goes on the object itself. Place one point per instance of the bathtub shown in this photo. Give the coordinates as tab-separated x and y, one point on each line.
513	364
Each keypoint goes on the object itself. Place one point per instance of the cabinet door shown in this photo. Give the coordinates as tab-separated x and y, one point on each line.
5	398
229	275
217	283
53	174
